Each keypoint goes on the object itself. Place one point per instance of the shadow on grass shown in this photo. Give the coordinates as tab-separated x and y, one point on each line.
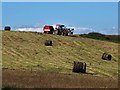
90	73
86	73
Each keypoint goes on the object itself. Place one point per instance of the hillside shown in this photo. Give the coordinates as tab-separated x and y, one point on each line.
99	36
26	51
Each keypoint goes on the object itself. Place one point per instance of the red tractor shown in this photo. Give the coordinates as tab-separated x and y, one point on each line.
57	29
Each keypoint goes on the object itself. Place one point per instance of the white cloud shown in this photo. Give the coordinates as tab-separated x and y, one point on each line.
77	30
30	29
82	30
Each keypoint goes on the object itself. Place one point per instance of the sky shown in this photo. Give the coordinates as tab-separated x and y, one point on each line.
85	17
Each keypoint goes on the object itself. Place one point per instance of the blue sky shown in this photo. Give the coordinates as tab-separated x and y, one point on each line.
84	16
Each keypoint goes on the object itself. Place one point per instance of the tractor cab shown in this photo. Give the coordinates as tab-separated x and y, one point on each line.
60	27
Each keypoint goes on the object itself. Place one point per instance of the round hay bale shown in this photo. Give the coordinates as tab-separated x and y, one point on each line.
48	42
79	67
7	28
106	56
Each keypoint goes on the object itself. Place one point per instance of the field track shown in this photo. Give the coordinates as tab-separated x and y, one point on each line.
37	79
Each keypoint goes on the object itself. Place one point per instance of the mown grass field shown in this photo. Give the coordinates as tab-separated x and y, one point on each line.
25	52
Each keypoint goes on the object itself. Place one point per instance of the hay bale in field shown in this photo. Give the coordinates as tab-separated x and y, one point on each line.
106	56
79	67
7	28
48	43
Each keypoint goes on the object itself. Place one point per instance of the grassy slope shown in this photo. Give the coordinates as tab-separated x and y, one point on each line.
26	50
99	36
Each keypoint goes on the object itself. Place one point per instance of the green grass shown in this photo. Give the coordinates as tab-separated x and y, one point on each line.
99	36
26	50
9	87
